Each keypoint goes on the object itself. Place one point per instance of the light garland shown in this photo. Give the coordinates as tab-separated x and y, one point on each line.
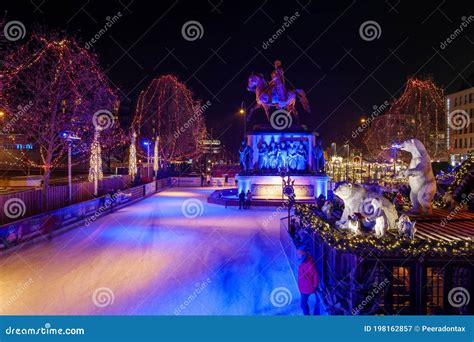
166	109
418	113
73	88
387	245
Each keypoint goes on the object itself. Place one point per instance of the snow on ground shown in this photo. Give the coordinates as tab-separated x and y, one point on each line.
172	253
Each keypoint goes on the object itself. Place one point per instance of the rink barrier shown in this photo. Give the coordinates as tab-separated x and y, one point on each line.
196	181
43	226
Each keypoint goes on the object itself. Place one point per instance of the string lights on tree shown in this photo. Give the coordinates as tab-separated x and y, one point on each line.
167	111
132	157
418	113
95	164
156	156
61	85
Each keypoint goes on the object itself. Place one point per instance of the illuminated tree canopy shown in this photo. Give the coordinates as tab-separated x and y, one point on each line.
417	113
61	86
166	109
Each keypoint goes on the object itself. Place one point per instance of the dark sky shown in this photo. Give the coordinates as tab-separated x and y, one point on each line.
322	51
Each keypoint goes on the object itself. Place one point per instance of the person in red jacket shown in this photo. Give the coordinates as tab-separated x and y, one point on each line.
307	279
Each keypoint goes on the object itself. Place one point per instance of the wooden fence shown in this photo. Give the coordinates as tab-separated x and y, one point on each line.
22	204
83	213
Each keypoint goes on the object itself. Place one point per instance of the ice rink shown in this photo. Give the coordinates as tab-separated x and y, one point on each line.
169	254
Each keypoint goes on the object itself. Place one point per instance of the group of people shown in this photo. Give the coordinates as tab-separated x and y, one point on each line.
308	278
245	199
206	180
281	156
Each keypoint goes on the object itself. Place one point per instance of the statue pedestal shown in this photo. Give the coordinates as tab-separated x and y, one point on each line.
269	135
266	183
270	187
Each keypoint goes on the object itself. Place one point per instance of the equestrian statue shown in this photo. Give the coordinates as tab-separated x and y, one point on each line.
275	93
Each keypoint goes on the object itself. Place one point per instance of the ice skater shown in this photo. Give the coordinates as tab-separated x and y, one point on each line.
307	280
248	200
242	199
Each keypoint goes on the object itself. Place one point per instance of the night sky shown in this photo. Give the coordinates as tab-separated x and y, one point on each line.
322	51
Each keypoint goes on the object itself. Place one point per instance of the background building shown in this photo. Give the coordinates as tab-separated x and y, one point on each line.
460	118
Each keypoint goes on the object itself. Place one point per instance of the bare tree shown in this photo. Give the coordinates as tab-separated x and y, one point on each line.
166	109
63	88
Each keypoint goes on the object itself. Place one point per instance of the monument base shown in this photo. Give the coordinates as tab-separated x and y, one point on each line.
270	187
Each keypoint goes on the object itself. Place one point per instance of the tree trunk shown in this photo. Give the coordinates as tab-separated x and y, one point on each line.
46	177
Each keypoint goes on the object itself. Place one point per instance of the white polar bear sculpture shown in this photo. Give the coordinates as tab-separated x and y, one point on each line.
420	176
356	198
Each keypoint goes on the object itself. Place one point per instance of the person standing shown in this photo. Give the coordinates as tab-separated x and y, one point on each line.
248	199
307	280
242	199
202	179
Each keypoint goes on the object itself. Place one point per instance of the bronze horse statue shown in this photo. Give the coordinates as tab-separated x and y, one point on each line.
275	94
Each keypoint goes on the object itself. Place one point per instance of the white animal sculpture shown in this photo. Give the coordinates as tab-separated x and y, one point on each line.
420	176
353	224
359	200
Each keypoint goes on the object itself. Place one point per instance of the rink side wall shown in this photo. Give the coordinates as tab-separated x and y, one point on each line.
85	213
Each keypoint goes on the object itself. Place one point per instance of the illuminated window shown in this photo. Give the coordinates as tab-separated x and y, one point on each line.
401	288
434	290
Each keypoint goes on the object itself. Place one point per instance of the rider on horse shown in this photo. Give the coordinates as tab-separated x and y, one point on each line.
277	84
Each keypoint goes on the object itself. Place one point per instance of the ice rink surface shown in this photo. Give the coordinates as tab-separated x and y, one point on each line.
169	254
